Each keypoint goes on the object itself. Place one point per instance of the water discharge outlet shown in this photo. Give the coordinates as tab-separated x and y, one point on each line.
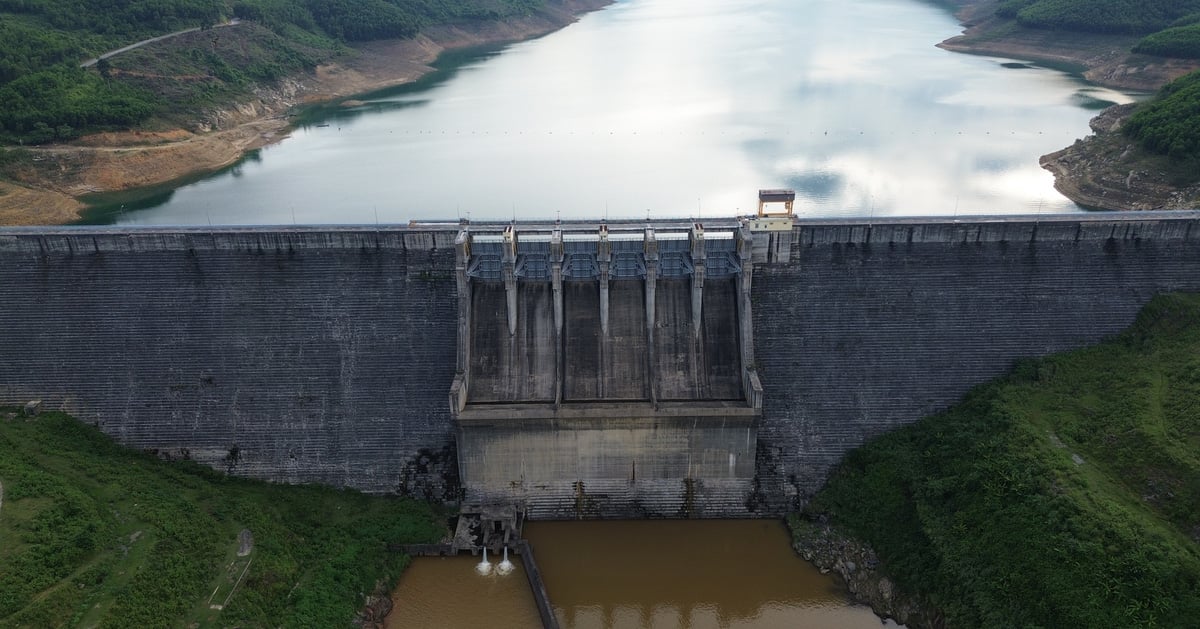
483	567
506	566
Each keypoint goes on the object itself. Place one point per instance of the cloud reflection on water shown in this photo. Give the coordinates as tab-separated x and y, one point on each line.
682	108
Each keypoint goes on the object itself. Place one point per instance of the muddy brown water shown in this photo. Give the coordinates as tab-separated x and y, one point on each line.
636	574
446	593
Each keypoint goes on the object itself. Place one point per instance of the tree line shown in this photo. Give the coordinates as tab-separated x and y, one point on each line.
1170	123
365	20
1181	40
1169	26
45	96
1099	16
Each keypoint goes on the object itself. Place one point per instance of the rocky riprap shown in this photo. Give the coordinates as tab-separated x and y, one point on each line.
860	570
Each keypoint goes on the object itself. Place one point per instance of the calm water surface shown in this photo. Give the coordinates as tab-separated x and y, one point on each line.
677	108
638	574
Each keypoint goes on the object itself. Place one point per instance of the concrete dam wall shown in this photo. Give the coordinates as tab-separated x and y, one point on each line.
288	355
867	327
671	373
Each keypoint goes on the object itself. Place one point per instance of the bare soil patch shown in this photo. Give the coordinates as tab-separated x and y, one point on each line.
21	205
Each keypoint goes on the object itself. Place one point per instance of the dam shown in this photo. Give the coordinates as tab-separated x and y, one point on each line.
606	370
583	369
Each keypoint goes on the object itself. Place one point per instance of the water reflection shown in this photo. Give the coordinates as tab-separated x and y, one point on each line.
329	117
682	108
635	574
407	96
696	574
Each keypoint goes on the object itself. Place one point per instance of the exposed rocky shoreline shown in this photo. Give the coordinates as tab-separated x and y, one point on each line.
858	568
1102	59
375	609
1106	170
46	192
1109	171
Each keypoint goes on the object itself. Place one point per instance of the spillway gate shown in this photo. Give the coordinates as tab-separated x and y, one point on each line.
606	371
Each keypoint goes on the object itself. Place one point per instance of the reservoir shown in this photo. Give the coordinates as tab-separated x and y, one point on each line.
672	108
652	574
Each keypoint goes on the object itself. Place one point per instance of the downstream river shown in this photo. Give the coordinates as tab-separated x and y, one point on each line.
654	574
673	108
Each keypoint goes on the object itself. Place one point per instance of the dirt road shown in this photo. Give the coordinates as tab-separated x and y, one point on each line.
112	53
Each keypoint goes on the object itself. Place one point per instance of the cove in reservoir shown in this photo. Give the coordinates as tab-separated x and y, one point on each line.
652	574
673	108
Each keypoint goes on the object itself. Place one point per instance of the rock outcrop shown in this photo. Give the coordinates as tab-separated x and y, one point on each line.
1110	171
856	564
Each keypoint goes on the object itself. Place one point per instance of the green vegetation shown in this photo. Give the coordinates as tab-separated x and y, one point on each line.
1170	124
1098	16
92	534
116	19
1171	26
47	97
1179	41
213	68
364	20
59	102
1066	494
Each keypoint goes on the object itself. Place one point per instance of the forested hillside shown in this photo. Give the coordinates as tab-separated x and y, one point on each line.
46	96
1166	23
1065	495
1099	16
1170	124
1182	39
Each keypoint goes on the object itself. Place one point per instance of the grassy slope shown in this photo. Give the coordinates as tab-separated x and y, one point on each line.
1064	495
93	534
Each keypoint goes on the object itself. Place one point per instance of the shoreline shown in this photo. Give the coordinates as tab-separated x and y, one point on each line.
1105	60
1107	171
855	564
1104	170
49	191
